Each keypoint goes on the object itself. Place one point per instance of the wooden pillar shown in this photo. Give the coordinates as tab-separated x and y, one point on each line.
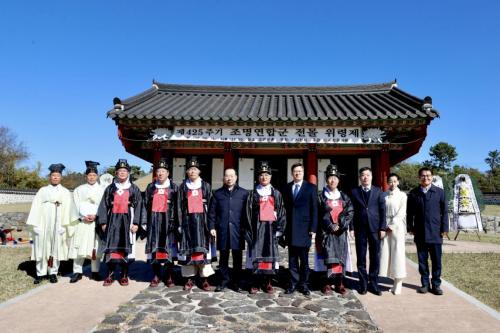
312	164
156	159
229	160
384	168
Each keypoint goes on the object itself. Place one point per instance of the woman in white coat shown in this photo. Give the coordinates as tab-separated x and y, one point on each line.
392	255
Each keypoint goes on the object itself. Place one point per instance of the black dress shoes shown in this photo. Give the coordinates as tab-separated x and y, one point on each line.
437	291
75	278
306	291
362	291
374	289
37	280
290	290
96	276
423	290
53	278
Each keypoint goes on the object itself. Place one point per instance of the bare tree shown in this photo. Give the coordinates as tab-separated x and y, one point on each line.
11	153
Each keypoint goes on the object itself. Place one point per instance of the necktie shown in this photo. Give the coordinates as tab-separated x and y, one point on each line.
295	190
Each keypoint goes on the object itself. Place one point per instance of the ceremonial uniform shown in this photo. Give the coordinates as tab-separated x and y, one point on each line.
84	243
120	208
195	253
50	215
160	201
265	223
336	214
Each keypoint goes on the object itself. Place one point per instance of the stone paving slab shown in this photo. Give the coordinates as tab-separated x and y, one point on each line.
199	311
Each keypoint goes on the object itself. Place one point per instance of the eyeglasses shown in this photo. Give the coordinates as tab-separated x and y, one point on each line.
425	176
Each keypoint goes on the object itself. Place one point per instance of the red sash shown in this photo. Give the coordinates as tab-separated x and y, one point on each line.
117	255
336	206
266	212
120	202
161	255
198	256
160	200
335	269
267	266
195	201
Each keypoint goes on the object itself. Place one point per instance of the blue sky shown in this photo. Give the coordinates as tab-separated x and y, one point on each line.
62	62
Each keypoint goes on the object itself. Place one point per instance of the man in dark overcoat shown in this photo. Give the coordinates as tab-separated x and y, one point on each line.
301	204
427	220
227	208
369	228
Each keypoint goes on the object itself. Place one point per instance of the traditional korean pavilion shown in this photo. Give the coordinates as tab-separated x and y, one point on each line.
376	125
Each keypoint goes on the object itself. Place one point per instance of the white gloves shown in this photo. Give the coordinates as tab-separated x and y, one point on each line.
279	234
61	231
37	230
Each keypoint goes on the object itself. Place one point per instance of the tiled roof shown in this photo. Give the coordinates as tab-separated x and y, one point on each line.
212	103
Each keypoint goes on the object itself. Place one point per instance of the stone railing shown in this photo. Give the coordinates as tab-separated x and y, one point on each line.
16	196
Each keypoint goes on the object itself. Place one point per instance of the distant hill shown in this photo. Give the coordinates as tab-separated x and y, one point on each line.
143	182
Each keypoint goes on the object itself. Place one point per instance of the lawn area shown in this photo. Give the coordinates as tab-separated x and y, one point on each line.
472	237
474	273
14	282
491	210
16	208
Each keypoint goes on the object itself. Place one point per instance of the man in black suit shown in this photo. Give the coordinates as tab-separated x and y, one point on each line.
301	205
369	227
227	208
427	220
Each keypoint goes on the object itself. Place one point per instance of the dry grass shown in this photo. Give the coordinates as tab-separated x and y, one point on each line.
471	236
14	281
16	208
491	210
474	273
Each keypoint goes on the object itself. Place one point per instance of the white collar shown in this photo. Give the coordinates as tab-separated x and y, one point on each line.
395	191
164	185
425	189
264	190
123	186
298	183
332	195
193	185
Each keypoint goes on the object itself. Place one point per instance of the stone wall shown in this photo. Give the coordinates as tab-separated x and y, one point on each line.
491	224
491	198
13	220
14	196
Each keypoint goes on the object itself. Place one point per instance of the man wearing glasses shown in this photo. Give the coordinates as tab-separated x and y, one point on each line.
427	220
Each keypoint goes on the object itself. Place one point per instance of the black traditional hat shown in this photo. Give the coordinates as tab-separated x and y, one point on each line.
192	162
91	167
331	170
57	168
122	164
162	164
264	168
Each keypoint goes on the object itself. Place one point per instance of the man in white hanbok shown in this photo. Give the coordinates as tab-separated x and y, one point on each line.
49	217
84	243
392	257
